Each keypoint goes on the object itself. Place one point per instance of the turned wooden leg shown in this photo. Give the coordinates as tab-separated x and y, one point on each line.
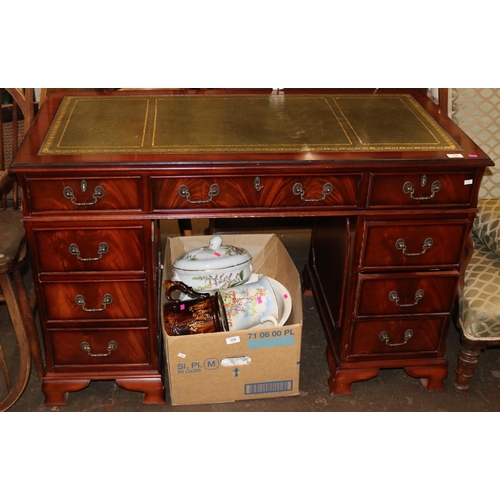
56	391
468	358
152	388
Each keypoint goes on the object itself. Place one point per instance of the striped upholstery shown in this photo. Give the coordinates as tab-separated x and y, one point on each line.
476	111
487	224
480	301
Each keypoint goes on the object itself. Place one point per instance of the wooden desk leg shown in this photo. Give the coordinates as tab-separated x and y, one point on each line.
56	391
432	377
152	388
341	380
340	383
306	284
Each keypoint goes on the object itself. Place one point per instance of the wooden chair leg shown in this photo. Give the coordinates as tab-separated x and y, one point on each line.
22	339
5	370
468	358
32	298
29	324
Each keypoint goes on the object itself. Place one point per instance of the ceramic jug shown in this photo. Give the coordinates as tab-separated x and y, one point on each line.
200	313
250	305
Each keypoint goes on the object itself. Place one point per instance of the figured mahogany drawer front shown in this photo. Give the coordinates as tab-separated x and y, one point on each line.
421	189
90	249
241	192
416	293
409	335
94	194
95	301
413	244
99	347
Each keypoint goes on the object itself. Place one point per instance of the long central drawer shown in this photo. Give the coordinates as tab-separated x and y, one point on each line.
261	191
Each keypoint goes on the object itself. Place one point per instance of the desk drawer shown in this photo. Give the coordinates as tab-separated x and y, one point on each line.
412	190
263	191
312	192
89	194
413	244
409	336
90	249
95	301
99	347
403	294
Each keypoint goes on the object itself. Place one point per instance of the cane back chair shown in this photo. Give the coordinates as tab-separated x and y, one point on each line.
15	119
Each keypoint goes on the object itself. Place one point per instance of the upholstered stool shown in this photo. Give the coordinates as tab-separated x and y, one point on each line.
479	302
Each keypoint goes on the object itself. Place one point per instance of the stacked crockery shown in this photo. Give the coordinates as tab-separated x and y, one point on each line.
248	300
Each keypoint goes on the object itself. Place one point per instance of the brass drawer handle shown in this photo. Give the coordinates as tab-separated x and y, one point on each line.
213	191
74	250
408	189
106	300
70	195
112	346
385	337
298	190
394	297
401	245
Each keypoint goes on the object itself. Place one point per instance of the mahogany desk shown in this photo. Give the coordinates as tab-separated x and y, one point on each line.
391	182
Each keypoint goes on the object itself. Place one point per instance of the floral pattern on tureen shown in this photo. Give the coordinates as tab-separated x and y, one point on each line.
219	281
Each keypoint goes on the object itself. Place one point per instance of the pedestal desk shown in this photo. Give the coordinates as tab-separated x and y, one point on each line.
391	182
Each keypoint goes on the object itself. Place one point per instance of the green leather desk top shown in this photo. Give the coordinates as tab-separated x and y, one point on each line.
248	124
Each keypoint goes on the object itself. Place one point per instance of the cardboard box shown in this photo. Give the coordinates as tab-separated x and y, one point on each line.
203	368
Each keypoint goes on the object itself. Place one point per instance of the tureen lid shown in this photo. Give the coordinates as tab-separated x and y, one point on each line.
214	257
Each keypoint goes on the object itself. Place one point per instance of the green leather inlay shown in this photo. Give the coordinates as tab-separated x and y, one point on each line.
247	124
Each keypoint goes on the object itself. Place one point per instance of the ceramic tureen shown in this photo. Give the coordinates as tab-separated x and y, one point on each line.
213	267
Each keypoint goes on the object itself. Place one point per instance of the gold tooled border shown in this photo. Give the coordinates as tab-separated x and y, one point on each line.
66	110
445	142
416	109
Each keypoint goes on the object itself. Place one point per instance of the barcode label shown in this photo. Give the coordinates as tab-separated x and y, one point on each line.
268	387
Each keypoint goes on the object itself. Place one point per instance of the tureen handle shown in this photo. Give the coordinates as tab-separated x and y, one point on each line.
215	243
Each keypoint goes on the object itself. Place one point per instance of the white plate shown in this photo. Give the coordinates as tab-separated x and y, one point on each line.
284	300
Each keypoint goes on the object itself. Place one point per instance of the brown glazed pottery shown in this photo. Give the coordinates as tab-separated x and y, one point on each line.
202	313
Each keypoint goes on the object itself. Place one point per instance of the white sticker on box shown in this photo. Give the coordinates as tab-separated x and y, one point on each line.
455	155
181	355
242	360
233	340
467	182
